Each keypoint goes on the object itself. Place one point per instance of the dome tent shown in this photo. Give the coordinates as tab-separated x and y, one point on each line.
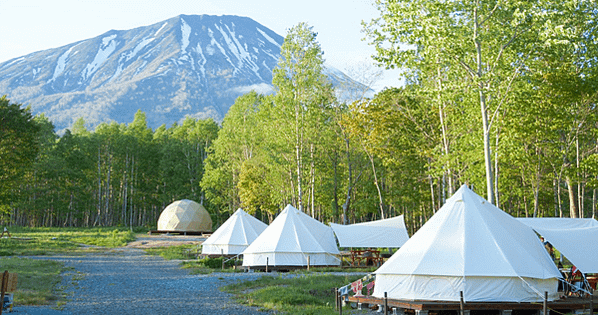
470	245
234	235
290	239
185	216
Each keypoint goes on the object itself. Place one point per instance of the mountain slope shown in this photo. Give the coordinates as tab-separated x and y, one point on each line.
186	65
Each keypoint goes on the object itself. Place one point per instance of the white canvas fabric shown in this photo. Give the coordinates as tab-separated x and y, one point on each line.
234	235
558	223
472	246
290	239
576	239
381	233
185	216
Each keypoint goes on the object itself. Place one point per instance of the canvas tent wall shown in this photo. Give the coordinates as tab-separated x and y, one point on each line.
381	233
472	246
185	216
234	235
290	239
575	238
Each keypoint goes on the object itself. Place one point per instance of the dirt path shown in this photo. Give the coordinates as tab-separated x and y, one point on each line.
127	281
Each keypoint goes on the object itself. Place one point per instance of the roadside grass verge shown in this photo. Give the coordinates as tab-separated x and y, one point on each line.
27	241
37	279
181	252
187	254
301	294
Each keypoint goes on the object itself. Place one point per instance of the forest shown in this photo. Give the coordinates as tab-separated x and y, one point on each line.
499	95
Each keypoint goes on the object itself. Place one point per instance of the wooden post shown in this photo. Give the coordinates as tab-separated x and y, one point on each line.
545	304
340	304
592	304
3	285
267	263
461	304
307	263
222	256
336	299
386	303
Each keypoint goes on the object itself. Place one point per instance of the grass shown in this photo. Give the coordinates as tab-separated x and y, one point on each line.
185	252
180	252
49	241
37	279
304	294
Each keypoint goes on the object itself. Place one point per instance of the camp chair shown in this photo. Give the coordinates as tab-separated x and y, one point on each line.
578	283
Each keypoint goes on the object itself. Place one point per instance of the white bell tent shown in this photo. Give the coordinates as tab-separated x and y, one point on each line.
234	235
381	233
290	239
470	245
185	216
575	238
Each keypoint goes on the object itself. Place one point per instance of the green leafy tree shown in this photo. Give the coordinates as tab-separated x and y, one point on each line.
302	98
18	147
485	45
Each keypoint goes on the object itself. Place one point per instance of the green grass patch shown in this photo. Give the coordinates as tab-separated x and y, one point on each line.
187	253
37	280
180	252
303	294
27	241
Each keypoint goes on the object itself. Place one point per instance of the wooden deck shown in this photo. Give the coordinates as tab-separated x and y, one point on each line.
563	305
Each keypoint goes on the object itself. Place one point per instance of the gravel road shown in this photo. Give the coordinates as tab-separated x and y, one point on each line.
126	281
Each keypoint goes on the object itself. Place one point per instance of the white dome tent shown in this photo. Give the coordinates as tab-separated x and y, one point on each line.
470	245
290	239
185	216
234	235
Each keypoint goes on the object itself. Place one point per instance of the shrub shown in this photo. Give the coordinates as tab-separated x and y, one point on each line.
216	262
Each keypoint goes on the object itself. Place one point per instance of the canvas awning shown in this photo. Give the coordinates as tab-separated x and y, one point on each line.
382	233
576	239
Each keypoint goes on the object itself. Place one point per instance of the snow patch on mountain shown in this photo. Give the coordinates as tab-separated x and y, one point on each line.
185	31
139	47
158	31
202	61
214	42
270	39
238	50
106	49
61	65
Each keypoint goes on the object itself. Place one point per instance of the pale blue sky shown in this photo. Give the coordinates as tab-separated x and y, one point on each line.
27	26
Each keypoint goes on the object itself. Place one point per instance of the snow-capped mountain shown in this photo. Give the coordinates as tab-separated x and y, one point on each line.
188	65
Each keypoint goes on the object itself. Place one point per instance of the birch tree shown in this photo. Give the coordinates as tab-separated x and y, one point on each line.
487	43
